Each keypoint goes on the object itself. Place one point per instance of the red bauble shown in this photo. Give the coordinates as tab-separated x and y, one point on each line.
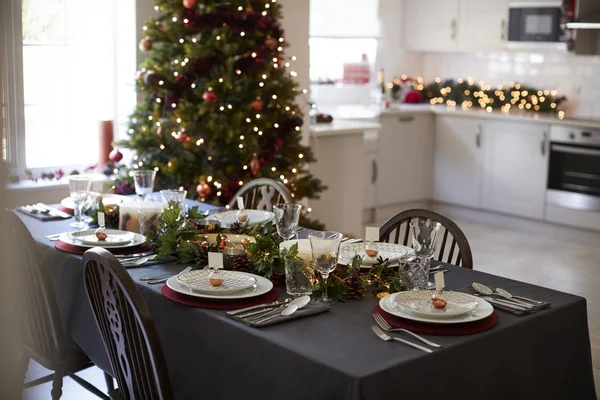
145	44
413	97
210	97
203	189
254	164
257	104
189	3
183	137
271	43
115	156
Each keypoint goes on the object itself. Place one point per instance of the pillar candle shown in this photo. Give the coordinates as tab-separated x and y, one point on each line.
106	135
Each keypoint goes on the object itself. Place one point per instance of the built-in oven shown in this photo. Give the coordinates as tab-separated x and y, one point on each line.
537	21
574	168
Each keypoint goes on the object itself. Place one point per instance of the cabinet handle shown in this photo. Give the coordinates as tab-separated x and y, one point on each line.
406	119
478	137
453	27
374	171
543	144
503	29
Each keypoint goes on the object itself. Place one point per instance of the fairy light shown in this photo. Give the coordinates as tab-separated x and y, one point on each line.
185	21
158	100
193	85
248	120
157	123
218	37
275	125
173	105
130	131
275	65
181	40
219	193
300	155
281	41
305	91
256	129
257	116
294	170
220	80
241	146
162	146
240	8
293	73
229	106
199	142
267	5
264	13
150	117
245	167
281	177
253	55
260	133
222	108
240	183
273	169
274	97
287	108
242	33
176	73
279	48
264	76
241	137
261	84
178	120
209	179
174	19
144	28
237	71
297	128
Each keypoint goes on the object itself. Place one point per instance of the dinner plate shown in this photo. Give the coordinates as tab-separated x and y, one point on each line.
419	302
390	251
233	281
261	287
483	310
107	199
254	217
114	237
137	240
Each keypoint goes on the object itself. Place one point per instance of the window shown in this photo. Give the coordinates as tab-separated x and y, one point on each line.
341	32
64	73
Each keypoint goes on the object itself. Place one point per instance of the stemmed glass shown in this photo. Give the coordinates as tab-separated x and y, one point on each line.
287	216
175	198
424	234
144	182
325	247
79	188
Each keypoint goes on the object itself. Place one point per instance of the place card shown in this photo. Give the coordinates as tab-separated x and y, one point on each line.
215	260
101	219
439	281
371	234
240	202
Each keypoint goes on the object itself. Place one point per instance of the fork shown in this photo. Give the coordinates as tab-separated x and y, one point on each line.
152	282
385	337
388	328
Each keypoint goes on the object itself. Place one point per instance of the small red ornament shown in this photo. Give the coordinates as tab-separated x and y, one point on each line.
257	104
145	44
254	164
189	3
115	156
183	137
271	43
413	97
210	96
203	189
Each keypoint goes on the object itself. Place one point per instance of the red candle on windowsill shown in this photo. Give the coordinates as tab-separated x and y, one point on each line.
106	135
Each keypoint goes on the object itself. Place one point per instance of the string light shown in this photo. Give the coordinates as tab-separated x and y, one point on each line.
273	169
162	146
174	19
242	33
300	155
245	167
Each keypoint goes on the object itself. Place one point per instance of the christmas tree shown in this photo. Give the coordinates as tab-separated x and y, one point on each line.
216	101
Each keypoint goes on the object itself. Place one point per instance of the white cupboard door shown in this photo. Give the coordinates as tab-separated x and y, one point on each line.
516	168
483	24
405	158
430	24
457	161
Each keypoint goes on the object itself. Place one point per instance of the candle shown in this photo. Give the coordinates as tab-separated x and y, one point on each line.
106	136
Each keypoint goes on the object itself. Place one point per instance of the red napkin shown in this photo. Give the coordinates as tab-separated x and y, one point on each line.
70	248
215	304
466	328
66	210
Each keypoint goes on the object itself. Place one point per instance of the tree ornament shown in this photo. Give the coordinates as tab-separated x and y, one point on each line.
271	43
183	137
413	97
254	164
210	97
145	44
115	156
257	104
203	189
189	4
151	78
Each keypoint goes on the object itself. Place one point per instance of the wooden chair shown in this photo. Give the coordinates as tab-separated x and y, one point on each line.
43	338
262	194
127	329
452	245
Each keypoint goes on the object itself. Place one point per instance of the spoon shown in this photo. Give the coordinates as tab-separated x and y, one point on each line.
508	295
291	308
483	289
138	261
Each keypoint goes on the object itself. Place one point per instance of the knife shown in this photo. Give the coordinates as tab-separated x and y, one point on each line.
52	211
291	308
144	254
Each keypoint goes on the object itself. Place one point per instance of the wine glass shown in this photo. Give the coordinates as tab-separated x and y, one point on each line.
325	247
144	182
79	188
424	234
287	216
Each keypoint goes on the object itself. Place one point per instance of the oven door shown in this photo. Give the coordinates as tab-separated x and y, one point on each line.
534	24
574	176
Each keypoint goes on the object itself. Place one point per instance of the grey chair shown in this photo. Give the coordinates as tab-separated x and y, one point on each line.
42	335
262	194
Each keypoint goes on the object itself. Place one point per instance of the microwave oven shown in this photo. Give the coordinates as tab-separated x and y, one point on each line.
536	21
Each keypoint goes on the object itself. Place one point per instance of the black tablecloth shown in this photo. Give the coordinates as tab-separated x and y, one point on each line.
336	355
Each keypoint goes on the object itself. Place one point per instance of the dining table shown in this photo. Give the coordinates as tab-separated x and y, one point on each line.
336	355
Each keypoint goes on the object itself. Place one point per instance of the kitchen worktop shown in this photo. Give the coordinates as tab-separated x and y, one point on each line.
343	127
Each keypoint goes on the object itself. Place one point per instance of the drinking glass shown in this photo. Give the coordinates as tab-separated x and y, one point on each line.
414	272
79	188
325	247
287	216
299	276
174	198
144	182
424	233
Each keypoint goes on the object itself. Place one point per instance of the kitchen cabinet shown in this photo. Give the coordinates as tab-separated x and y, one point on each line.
370	168
430	24
404	162
457	160
482	25
515	168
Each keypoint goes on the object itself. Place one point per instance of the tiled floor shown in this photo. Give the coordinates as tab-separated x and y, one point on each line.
555	258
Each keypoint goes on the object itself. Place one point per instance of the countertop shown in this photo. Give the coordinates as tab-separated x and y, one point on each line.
343	127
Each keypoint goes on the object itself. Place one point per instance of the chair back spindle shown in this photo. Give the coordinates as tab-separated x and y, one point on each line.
262	194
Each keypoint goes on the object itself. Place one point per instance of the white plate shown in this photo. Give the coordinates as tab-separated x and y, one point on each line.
385	250
484	310
233	281
255	217
419	302
115	237
137	241
107	199
262	286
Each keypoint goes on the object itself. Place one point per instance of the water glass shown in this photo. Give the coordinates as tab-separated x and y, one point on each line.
424	234
299	276
149	218
325	247
144	182
414	272
287	216
79	188
174	199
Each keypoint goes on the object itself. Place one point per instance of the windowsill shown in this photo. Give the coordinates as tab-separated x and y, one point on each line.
46	183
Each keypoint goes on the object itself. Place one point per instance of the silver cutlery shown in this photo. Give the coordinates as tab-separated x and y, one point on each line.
507	294
288	310
486	291
144	254
349	241
53	211
162	280
242	311
388	328
508	304
386	337
134	262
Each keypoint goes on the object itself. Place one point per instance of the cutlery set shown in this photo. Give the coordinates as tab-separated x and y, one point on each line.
503	298
382	326
43	212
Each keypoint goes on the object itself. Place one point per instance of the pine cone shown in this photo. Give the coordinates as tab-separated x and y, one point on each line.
355	287
242	263
236	227
202	253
